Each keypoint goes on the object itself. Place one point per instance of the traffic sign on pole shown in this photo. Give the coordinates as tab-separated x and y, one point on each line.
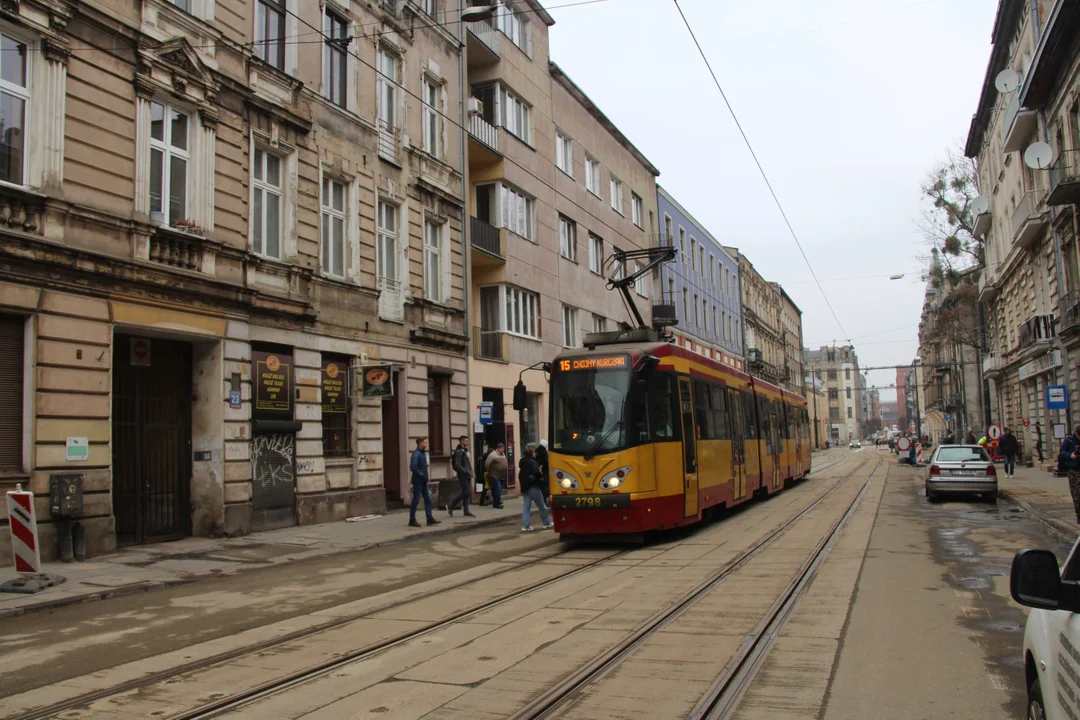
903	444
993	432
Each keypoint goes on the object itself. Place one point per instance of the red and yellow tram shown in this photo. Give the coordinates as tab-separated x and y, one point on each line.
651	436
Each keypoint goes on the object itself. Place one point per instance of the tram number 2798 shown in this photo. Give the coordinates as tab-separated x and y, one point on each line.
589	502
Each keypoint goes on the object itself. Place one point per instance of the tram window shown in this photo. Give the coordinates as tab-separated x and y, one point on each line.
749	415
719	411
659	423
701	410
734	399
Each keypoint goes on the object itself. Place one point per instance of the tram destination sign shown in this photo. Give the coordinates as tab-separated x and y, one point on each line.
273	379
600	362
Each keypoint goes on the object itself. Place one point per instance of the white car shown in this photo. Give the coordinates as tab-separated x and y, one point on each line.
1052	634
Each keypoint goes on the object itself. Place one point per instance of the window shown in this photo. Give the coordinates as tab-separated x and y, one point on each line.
847	373
722	330
682	245
564	153
433	274
521	312
834	394
592	176
668	238
386	244
849	413
712	270
569	327
705	313
834	413
169	155
387	91
671	290
715	326
335	415
567	238
636	209
14	96
729	330
517	212
12	362
266	204
640	283
335	57
686	304
431	92
436	421
830	374
184	5
596	254
693	254
333	227
515	25
270	32
599	324
616	195
429	7
701	260
515	115
697	313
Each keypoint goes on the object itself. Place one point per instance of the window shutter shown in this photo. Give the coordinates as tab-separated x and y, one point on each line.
11	392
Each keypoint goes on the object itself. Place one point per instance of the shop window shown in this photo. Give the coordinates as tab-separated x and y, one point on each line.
11	393
336	408
437	415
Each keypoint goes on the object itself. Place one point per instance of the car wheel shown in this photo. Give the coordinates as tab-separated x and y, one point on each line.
931	496
1036	710
991	498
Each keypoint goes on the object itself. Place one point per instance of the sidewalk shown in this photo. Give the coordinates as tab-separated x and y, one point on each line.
1042	495
145	567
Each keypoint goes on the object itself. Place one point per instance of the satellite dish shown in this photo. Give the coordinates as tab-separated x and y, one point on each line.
1007	81
1038	156
980	205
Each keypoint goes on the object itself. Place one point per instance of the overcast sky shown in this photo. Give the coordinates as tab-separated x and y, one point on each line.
847	104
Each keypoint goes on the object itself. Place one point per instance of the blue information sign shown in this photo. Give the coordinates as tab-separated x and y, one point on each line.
234	399
487	413
1057	397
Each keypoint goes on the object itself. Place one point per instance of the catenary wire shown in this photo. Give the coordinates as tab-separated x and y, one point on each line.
761	169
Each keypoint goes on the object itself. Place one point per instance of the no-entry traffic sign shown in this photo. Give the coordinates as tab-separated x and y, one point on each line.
993	432
903	444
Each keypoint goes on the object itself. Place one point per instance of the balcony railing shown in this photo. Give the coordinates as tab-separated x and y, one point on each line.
21	210
388	141
485	32
1065	179
987	285
486	237
983	221
1017	125
993	364
1038	329
1070	312
176	249
1028	219
490	344
484	132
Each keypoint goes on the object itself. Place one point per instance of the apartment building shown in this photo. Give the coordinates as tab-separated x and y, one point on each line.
233	287
763	328
838	368
703	285
1024	229
817	406
554	189
791	342
903	418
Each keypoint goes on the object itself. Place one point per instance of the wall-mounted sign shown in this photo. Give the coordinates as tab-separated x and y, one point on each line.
139	350
1057	397
1039	365
272	379
77	449
236	401
486	413
335	391
378	381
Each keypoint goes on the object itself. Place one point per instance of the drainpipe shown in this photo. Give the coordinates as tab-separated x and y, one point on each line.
466	223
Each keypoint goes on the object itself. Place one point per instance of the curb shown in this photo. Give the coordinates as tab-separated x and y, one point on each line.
159	584
1059	526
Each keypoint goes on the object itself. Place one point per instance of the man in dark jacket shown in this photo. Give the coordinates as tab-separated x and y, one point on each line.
463	467
542	461
1069	459
529	475
970	438
418	468
1009	447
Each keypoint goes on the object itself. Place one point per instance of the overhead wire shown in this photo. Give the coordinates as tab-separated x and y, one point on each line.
761	169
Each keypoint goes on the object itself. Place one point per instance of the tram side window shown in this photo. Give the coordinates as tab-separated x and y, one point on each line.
735	405
789	425
719	411
659	422
701	410
750	416
763	417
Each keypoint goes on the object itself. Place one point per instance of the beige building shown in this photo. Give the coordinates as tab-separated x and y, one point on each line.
209	231
792	342
837	367
817	406
555	188
762	324
1029	221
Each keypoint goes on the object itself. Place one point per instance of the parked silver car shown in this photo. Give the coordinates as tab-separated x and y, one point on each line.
961	469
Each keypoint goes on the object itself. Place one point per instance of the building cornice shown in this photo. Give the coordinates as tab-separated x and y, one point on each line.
1008	15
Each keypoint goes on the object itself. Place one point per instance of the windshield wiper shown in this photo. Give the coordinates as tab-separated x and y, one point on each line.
596	446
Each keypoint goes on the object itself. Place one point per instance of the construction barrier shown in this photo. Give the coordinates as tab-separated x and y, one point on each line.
23	523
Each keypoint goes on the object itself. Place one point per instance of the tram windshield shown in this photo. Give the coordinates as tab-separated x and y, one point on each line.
590	405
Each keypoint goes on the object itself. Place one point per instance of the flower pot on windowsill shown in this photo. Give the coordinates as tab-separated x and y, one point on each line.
189	227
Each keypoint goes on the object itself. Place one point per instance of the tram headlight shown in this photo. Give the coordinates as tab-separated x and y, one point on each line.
566	480
615	479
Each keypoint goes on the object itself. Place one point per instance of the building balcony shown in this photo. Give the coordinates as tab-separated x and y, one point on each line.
484	142
1018	125
1038	329
389	142
491	345
1065	179
487	243
1070	313
982	223
1028	219
993	365
482	44
987	285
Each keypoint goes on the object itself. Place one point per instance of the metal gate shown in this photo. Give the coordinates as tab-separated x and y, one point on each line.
273	486
151	439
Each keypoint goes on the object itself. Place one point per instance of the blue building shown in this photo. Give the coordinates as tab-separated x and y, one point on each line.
703	285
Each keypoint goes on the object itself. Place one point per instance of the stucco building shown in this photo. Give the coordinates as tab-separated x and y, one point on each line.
209	230
554	189
838	367
702	284
792	341
763	330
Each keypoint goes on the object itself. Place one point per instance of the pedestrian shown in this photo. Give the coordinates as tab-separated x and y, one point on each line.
542	461
950	439
970	438
495	467
1038	441
1069	459
530	476
418	467
1009	447
463	467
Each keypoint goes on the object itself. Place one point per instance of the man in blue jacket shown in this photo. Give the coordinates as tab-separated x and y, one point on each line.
418	467
1069	459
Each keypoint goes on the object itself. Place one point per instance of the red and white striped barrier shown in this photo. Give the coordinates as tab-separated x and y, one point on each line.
23	523
918	453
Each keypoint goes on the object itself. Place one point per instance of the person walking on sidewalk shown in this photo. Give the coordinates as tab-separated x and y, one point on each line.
529	472
1038	441
545	481
970	438
463	467
1009	447
418	467
1069	459
495	467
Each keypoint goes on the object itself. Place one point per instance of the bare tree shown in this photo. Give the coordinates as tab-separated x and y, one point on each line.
947	219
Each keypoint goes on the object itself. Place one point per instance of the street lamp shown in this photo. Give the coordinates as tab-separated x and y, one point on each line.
478	11
896	277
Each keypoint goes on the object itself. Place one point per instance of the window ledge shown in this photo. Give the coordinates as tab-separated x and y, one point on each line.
337	462
569	175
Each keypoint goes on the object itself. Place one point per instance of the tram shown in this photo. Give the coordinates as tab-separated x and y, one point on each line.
648	435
